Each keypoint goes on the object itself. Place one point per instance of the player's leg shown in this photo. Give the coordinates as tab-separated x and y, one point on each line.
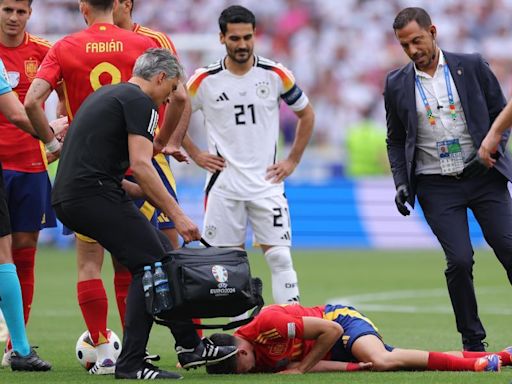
444	204
270	220
92	299
28	199
225	222
23	357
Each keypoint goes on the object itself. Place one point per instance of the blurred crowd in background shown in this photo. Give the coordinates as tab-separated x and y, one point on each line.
339	51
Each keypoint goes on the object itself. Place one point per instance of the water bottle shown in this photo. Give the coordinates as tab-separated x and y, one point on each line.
162	293
147	286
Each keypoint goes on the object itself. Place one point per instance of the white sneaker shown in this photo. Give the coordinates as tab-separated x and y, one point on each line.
106	367
6	359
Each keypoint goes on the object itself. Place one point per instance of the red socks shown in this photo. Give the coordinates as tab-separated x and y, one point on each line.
122	281
92	299
438	361
24	259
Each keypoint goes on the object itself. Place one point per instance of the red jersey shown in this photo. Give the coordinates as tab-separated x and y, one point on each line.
99	55
277	335
18	150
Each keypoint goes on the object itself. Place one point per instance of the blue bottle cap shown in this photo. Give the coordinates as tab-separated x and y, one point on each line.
158	264
147	268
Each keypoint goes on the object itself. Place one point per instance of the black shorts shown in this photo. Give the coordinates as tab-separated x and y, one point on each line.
5	222
115	222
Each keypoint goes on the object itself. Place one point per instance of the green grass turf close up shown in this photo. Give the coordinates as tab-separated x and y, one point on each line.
403	292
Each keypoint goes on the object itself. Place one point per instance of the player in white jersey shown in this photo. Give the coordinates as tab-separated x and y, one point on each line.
239	97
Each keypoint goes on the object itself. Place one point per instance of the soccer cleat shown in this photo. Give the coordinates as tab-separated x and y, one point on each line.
106	367
148	372
6	358
206	353
31	362
508	351
489	363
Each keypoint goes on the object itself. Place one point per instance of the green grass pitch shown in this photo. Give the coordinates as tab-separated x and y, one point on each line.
403	292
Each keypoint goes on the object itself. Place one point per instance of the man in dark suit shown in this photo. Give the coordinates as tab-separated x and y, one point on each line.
439	108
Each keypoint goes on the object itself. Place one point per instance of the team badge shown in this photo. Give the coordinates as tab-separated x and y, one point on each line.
220	273
210	231
277	349
262	90
31	67
13	78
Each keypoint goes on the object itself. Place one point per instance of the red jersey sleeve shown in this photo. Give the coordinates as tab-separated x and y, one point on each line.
50	69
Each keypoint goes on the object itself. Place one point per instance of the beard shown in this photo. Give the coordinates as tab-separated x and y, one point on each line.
237	58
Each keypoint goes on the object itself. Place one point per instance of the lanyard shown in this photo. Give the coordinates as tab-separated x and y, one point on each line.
451	100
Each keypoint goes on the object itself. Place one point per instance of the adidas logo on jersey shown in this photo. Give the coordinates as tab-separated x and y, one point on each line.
286	236
223	97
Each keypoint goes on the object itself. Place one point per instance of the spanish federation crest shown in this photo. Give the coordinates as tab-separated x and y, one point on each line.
31	67
220	273
13	78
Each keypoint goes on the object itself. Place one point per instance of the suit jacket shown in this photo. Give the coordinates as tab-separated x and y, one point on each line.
481	98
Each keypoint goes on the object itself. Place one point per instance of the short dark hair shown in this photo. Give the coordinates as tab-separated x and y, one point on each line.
101	5
236	14
227	366
417	14
29	2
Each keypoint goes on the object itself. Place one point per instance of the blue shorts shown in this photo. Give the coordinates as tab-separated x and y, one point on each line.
355	325
161	165
28	197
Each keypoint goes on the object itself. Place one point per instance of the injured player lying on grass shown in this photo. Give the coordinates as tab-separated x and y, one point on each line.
293	339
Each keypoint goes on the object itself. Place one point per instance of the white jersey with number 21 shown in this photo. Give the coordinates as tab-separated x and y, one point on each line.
241	116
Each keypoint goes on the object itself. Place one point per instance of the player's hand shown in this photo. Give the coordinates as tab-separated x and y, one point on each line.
280	171
360	367
210	162
51	157
187	229
177	153
60	127
488	148
402	194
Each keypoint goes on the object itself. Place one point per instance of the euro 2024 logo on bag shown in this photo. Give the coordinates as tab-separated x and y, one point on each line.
221	276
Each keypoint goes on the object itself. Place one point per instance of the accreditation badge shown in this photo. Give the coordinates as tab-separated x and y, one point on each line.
450	157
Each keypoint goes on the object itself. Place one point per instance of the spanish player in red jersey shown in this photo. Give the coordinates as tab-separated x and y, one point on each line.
293	339
84	61
26	181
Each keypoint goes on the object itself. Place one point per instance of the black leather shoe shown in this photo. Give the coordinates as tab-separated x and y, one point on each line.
206	353
475	346
31	362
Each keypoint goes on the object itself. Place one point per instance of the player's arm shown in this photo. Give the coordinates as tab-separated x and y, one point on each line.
282	169
141	152
204	159
34	100
172	119
326	333
335	366
12	109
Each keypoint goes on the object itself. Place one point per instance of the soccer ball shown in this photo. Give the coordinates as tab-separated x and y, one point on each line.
86	352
